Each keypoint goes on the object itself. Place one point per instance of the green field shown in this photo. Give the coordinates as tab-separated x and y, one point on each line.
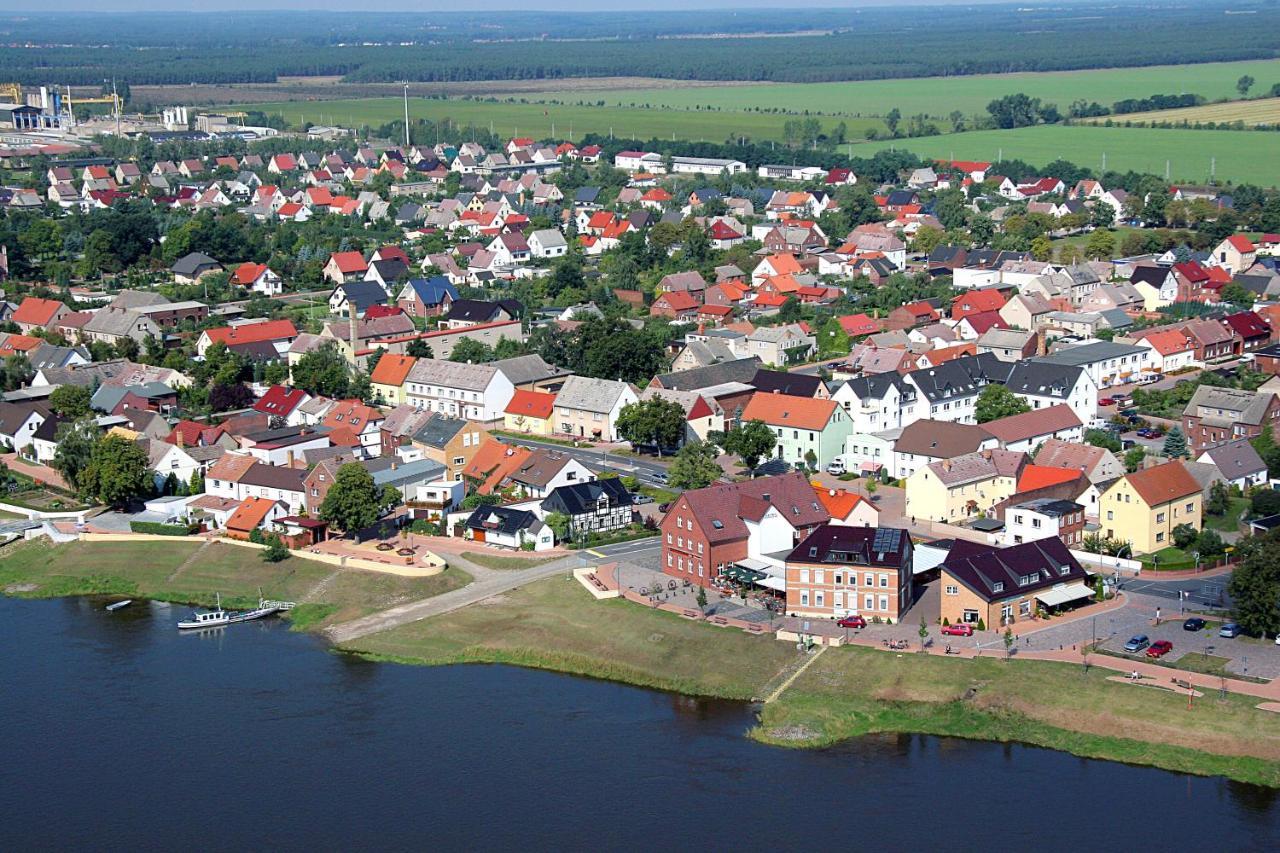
545	121
938	96
1242	156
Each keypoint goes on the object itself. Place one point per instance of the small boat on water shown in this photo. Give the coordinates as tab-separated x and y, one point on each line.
119	605
218	617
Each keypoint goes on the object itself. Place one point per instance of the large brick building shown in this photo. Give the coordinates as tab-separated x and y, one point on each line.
839	570
707	530
1214	415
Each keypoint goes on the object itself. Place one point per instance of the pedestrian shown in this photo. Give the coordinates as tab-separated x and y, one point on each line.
1157	615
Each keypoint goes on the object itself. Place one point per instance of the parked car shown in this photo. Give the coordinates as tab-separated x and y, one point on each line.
1107	401
1195	623
664	507
1149	432
1137	643
1148	378
960	629
1230	630
835	467
1159	649
854	621
638	498
659	476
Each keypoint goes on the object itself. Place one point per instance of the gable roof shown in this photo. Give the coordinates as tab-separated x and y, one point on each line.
721	508
581	498
940	439
1030	424
34	311
1163	483
840	502
392	369
996	573
270	330
785	410
1035	477
280	400
348	262
532	404
1235	458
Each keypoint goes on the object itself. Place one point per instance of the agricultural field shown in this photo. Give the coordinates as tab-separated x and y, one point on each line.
548	120
1252	157
1263	112
939	96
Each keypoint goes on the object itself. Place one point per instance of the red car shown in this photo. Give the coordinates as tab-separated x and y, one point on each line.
1107	401
959	630
1159	649
852	622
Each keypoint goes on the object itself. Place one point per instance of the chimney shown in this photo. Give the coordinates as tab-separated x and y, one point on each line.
355	334
946	464
832	492
289	459
986	454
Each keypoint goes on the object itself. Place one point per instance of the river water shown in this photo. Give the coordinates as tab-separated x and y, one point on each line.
119	733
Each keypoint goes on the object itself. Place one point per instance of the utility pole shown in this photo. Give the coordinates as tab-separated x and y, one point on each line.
406	115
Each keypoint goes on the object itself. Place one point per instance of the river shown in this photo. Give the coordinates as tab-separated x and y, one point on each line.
121	733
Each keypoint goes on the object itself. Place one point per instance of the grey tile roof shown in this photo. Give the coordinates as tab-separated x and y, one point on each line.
590	395
452	374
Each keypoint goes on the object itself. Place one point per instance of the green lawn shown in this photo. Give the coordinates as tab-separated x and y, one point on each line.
549	120
147	569
1228	521
853	691
555	624
494	561
1252	156
938	96
1168	560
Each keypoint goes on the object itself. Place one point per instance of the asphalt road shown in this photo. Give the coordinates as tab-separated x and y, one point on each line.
648	471
1199	592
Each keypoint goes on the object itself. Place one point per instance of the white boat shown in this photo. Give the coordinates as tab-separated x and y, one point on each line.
218	617
119	605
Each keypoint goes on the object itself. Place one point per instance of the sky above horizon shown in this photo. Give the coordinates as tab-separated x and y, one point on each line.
24	6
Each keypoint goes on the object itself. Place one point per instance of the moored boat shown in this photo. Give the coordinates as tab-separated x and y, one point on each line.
119	605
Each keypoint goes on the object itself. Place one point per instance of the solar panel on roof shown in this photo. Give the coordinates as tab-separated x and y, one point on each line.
886	540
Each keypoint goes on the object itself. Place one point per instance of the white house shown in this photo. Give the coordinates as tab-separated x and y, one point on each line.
477	392
547	243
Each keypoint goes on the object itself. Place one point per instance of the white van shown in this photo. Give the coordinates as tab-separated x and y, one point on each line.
836	466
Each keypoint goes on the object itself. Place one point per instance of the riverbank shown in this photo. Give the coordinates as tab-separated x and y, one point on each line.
853	691
553	624
192	572
850	691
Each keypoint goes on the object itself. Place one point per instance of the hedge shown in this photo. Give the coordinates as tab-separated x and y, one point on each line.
157	529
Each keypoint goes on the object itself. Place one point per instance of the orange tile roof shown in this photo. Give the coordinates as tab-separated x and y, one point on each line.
392	369
783	263
36	312
493	462
786	410
533	404
1163	483
840	502
271	330
248	272
1170	342
230	468
1042	476
250	514
351	413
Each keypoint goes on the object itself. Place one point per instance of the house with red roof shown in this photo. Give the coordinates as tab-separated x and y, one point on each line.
345	266
1235	254
857	325
258	278
774	265
530	412
675	305
35	313
280	333
281	163
254	514
1252	330
723	235
977	301
284	402
911	315
1172	349
363	421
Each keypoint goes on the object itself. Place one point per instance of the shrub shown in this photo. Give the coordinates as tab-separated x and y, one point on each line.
276	550
982	626
156	529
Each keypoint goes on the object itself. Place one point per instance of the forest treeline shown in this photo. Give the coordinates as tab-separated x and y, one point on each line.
872	43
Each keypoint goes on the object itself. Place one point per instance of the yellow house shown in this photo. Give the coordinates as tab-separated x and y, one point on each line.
952	490
1143	508
529	412
387	378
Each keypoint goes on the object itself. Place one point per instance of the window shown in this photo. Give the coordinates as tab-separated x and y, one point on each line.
868	580
668	538
998	586
884	603
819	599
699	547
680	521
884	581
804	599
817	576
952	589
1159	518
670	560
804	576
1191	507
839	578
869	602
1160	536
459	460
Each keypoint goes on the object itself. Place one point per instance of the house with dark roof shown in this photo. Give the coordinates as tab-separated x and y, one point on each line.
193	266
599	507
999	587
473	312
358	294
508	528
1238	463
839	571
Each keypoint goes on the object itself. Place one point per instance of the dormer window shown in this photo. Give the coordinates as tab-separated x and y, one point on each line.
998	586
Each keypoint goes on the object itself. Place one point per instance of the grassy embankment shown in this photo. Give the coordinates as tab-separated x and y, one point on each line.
853	691
161	571
553	624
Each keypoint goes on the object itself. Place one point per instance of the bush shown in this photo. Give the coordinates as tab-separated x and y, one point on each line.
276	550
982	626
157	529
